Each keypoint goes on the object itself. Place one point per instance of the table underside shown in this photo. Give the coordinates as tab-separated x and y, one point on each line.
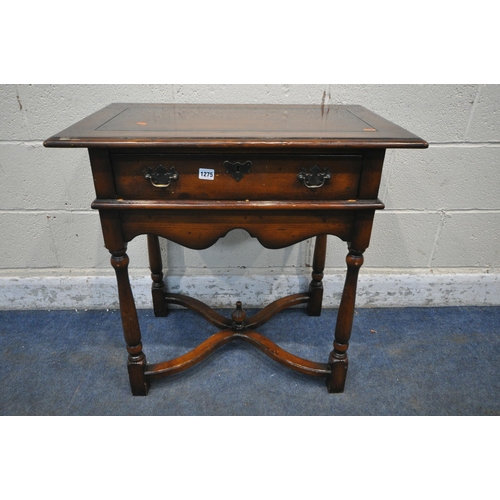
275	225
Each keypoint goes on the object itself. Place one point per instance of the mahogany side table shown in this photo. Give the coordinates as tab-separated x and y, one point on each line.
191	173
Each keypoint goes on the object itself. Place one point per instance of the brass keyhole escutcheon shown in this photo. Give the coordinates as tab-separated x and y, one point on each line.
237	169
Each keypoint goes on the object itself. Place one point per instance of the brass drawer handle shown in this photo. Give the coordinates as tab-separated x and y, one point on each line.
160	177
315	178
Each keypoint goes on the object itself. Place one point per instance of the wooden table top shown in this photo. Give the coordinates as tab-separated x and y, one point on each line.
226	125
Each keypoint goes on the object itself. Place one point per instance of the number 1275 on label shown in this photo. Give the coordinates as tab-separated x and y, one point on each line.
206	174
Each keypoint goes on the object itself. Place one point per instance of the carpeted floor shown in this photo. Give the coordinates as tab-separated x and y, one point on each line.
409	361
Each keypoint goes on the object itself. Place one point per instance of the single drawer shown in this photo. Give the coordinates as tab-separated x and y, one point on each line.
236	176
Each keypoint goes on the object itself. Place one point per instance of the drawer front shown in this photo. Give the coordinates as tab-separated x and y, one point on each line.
236	177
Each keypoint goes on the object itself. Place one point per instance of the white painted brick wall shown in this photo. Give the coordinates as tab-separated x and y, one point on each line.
442	214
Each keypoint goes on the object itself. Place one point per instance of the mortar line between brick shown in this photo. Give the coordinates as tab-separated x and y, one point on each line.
440	210
38	211
472	111
436	238
387	210
20	142
21	101
461	144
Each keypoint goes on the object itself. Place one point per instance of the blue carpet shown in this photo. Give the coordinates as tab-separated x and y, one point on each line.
405	361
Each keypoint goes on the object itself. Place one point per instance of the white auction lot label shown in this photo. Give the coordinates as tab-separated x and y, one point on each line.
207	174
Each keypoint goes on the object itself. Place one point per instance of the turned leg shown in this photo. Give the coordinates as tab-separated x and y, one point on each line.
156	266
131	331
338	357
316	285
